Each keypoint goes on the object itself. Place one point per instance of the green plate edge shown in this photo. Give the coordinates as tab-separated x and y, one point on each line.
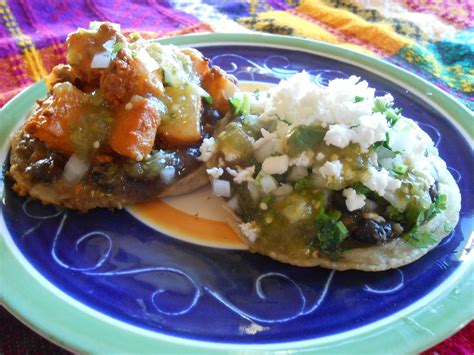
66	322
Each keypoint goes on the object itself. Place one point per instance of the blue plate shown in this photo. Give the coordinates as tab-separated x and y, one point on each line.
115	264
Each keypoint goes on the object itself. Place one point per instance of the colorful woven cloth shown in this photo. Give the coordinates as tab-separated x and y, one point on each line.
432	38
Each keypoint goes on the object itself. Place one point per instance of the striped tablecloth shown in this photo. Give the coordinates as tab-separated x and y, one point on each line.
432	38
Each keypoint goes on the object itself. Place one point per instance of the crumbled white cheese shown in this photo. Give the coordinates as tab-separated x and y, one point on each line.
250	230
369	130
331	168
207	149
372	128
380	181
276	165
302	160
242	175
354	201
266	137
215	173
230	157
300	100
339	135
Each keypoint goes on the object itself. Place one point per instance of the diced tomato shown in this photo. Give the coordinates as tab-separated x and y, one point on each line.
220	87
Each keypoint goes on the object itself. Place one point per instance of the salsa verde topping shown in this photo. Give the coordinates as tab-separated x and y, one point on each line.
319	168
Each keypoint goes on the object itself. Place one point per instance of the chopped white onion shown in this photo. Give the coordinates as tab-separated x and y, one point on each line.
147	60
297	173
75	169
268	184
370	206
386	163
199	90
282	190
233	203
264	151
101	60
167	174
254	193
221	188
109	45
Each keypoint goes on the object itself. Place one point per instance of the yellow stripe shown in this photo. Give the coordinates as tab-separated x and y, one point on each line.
379	35
33	62
279	21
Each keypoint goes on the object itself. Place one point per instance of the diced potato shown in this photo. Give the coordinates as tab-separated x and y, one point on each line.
52	121
134	130
182	124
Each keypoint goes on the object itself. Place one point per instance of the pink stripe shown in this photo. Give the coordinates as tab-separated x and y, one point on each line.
443	10
38	25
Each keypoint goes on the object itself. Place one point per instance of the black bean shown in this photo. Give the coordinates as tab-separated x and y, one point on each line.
373	232
47	169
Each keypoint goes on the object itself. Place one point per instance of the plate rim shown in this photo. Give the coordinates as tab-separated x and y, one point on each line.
411	327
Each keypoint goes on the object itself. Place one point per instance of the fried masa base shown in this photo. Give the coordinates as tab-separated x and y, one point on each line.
394	254
86	195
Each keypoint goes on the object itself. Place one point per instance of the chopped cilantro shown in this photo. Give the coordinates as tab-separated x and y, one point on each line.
330	232
358	99
208	99
240	105
117	46
379	106
420	239
304	183
385	143
360	188
400	169
394	214
414	236
436	207
392	116
335	214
